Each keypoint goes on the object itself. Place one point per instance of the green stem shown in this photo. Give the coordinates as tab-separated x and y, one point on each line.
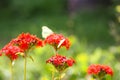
25	62
52	75
11	70
55	50
60	75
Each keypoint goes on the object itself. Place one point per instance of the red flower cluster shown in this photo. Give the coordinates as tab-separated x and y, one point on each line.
60	62
20	44
11	51
97	69
55	39
26	41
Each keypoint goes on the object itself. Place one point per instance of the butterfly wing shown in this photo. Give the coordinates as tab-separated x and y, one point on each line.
46	31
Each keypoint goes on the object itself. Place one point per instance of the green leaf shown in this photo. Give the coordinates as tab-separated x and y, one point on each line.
31	58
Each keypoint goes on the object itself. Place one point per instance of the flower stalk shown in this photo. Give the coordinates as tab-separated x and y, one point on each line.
11	67
60	73
25	63
52	75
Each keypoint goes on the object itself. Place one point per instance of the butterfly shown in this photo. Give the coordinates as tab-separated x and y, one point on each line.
47	31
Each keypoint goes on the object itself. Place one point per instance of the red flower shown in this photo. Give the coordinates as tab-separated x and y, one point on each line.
11	51
0	52
60	62
108	70
55	39
70	62
26	41
99	70
39	42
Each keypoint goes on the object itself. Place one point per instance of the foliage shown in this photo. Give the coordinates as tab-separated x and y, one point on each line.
92	27
27	8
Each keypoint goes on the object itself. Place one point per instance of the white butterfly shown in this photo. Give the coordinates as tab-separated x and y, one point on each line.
47	31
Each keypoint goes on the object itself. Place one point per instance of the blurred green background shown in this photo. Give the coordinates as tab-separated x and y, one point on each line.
93	27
